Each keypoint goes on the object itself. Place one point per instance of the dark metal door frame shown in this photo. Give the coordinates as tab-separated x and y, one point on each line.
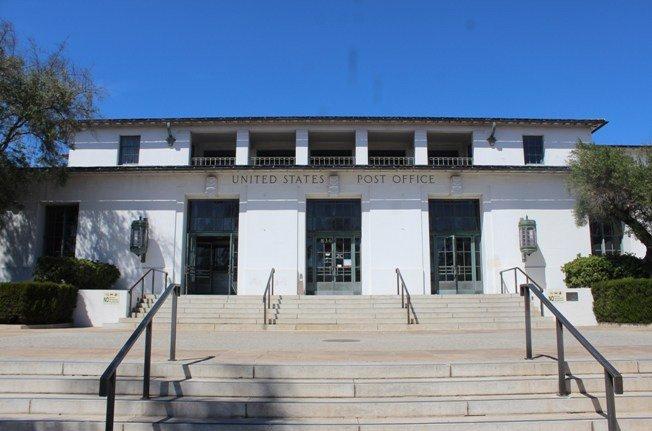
192	273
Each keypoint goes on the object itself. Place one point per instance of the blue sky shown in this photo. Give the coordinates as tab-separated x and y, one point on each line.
518	58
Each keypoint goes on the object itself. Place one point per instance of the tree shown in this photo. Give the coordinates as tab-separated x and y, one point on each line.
43	99
613	184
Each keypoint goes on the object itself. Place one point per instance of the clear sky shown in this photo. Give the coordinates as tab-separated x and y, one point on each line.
584	59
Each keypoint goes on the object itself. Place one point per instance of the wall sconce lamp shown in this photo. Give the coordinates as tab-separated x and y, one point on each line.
527	234
492	137
170	139
139	238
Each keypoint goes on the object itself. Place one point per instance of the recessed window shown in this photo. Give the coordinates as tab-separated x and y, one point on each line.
129	149
60	230
606	238
533	150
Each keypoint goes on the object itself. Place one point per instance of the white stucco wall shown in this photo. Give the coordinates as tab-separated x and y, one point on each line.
272	232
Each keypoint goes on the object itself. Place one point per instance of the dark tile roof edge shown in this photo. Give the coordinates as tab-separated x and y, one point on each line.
594	124
222	169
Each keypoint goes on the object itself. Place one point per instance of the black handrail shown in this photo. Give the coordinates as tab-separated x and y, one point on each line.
613	378
406	299
107	381
141	280
267	296
528	279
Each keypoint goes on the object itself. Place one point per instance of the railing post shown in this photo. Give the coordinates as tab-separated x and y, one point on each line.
142	289
153	280
398	287
561	361
525	293
173	324
402	296
502	283
264	309
515	281
612	422
148	359
110	403
408	310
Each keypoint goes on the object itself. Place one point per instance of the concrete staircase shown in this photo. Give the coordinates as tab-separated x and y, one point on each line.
345	313
199	395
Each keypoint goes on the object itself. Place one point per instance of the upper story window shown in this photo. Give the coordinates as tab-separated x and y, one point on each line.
606	238
533	150
129	149
60	230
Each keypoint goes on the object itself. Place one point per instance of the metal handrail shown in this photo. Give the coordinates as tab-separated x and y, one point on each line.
391	161
107	380
332	160
406	299
213	161
267	296
141	280
613	378
272	161
450	161
528	280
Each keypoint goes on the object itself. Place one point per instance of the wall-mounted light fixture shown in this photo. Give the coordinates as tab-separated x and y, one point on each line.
492	136
527	234
170	139
139	238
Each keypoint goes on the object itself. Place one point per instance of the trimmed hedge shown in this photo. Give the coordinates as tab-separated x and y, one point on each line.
33	302
628	300
583	271
81	273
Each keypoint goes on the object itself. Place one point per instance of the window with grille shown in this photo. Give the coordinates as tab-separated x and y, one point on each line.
129	149
60	230
533	150
606	238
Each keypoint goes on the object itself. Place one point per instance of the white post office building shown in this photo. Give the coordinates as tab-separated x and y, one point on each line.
334	204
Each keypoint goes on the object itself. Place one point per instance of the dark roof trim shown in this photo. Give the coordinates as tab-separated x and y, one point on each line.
485	168
594	124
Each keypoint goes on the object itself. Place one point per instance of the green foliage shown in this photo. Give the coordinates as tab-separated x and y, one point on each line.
81	273
37	302
611	184
584	271
43	99
627	300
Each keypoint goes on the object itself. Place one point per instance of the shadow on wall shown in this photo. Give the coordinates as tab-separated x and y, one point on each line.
104	235
18	242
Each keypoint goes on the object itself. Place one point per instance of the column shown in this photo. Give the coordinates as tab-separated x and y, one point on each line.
361	147
301	151
242	147
420	147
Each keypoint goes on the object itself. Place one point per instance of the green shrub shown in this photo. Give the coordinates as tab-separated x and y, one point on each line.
628	300
34	302
583	271
81	273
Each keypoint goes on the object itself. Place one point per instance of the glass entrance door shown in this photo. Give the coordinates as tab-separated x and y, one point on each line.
455	263
212	265
334	262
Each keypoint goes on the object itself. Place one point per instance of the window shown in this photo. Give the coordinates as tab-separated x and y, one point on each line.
606	238
533	150
60	230
333	215
454	216
129	148
213	215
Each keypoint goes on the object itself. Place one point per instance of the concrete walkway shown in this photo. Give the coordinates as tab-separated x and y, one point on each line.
279	347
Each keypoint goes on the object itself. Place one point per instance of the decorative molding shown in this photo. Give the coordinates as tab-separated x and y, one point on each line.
211	186
333	185
456	185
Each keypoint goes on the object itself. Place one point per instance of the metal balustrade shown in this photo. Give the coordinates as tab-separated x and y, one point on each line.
391	161
272	161
450	161
406	299
332	160
213	161
267	298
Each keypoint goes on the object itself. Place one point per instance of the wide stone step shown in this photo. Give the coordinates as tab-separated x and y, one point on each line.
318	388
209	369
263	407
540	422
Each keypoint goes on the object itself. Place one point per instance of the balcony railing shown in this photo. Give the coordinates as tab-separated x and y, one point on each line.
450	161
332	161
271	161
391	161
213	161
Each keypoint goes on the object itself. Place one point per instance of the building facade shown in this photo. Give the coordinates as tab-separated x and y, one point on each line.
333	204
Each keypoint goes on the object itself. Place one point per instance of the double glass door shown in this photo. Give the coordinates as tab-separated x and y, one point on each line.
212	261
334	265
455	264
